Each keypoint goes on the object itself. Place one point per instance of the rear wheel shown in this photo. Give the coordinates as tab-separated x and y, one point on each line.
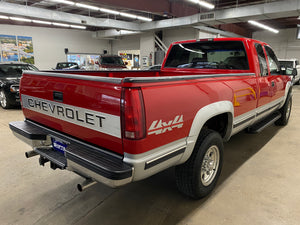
4	101
198	176
285	112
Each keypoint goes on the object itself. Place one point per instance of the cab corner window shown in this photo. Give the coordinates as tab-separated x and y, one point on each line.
273	61
262	60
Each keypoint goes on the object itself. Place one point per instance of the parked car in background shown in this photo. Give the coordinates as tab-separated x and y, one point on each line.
294	65
155	67
67	66
10	74
111	62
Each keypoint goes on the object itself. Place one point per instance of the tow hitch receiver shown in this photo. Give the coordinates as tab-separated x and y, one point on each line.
57	159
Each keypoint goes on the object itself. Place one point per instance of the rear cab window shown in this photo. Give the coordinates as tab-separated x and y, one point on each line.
208	55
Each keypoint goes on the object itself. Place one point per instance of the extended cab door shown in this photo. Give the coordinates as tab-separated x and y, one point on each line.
269	80
264	79
276	79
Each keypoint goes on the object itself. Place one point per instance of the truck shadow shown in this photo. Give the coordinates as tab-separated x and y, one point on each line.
156	199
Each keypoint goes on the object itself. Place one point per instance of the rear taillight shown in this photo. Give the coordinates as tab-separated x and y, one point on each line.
133	114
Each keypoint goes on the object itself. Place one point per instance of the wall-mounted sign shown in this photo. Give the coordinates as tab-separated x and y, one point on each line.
145	61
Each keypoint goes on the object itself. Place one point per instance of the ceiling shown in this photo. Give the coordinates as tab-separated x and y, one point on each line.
157	10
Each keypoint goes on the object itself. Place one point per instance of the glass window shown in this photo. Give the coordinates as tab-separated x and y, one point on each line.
286	64
262	60
111	60
14	70
273	61
209	55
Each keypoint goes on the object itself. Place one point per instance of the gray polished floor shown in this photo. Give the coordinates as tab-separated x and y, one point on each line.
259	184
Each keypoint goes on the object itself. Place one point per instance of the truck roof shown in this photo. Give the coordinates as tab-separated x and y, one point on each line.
219	39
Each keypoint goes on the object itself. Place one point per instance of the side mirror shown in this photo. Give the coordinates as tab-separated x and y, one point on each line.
283	70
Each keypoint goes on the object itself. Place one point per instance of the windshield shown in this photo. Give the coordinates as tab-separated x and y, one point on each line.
112	60
69	65
209	55
14	70
286	64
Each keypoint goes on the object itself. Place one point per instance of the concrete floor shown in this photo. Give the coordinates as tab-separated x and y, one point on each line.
259	184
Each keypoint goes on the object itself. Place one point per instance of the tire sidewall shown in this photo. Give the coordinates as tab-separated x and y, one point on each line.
210	140
288	106
284	119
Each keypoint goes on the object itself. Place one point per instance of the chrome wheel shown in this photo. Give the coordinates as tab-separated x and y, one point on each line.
210	165
3	100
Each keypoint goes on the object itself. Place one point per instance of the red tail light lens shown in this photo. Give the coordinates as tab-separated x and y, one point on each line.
133	114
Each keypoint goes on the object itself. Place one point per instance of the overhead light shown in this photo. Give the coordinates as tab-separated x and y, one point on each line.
63	2
4	17
204	4
61	24
78	27
44	22
144	18
128	15
109	11
20	19
263	26
41	22
87	6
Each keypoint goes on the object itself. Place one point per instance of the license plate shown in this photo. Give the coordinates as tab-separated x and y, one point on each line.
59	145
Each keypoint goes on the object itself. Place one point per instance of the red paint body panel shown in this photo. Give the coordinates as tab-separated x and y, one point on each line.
92	95
164	101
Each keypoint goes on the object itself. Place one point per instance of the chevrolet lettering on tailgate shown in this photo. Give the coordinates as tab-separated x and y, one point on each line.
80	116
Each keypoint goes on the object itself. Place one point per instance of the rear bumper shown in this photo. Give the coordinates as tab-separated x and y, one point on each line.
84	159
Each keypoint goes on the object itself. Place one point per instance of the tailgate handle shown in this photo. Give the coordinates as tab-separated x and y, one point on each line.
58	96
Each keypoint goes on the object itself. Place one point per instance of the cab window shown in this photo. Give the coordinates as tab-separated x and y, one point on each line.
273	61
262	60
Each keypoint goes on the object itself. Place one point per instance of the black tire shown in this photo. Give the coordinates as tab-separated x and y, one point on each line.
4	102
285	112
207	157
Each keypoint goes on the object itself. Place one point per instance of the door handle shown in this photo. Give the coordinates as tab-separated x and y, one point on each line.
273	83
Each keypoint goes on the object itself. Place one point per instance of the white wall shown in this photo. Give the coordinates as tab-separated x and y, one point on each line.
126	43
147	47
49	43
284	43
179	34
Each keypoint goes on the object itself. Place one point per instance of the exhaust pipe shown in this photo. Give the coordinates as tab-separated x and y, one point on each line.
85	184
30	154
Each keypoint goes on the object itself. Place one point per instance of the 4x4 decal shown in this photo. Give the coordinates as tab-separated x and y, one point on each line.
159	126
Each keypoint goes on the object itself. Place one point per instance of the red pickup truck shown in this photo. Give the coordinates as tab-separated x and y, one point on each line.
118	127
